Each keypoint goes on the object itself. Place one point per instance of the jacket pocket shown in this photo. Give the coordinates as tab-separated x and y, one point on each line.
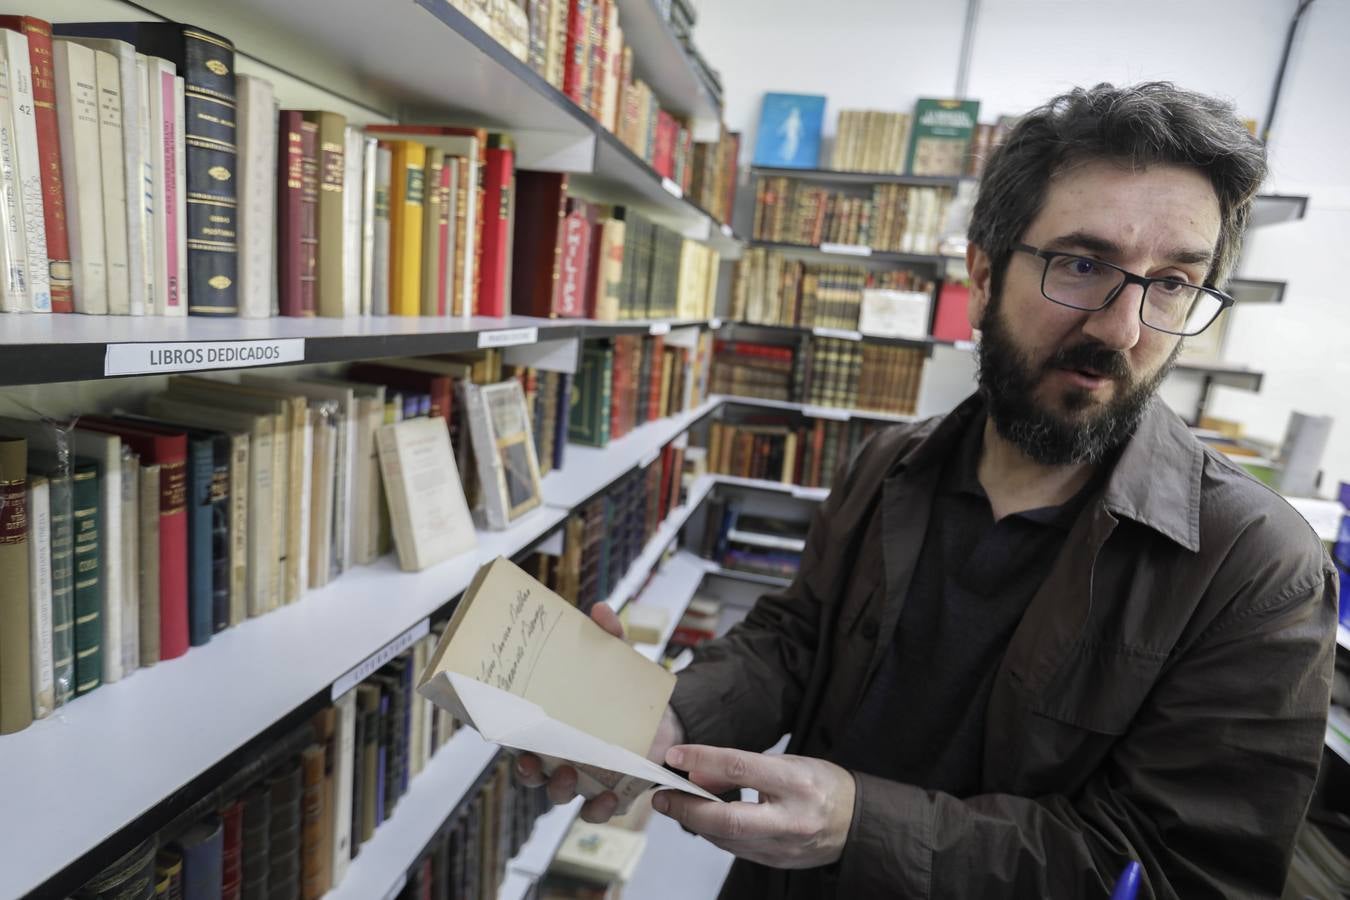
1100	687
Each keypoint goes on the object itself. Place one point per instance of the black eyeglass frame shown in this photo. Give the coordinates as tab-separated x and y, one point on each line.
1129	277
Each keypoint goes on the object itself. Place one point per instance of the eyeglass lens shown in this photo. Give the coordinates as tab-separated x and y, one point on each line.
1084	283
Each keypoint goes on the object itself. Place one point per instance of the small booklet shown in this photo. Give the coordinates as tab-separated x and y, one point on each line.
532	673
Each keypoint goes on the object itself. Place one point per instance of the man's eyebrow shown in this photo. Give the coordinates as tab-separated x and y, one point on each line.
1095	243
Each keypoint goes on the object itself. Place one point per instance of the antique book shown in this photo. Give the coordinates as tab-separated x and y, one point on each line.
86	545
258	159
312	812
343	775
431	231
541	201
39	543
406	197
323	467
78	124
379	254
166	199
16	657
508	468
148	564
589	416
52	196
940	136
131	875
331	249
353	196
131	561
430	518
370	165
203	847
290	213
27	162
494	272
206	63
309	218
15	295
60	562
525	668
112	146
367	776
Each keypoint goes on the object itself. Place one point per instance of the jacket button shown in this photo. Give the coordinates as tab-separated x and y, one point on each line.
870	629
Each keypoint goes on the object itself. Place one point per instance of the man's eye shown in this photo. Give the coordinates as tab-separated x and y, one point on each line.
1078	265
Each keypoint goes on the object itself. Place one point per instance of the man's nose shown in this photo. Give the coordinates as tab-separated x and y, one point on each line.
1118	326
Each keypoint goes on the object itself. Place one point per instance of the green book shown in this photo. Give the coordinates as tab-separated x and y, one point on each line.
88	631
62	568
940	139
588	421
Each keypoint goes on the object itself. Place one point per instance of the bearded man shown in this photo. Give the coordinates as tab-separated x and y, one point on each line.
1050	632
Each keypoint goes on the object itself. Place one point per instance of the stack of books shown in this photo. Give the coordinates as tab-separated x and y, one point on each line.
773	289
894	218
761	545
748	369
785	448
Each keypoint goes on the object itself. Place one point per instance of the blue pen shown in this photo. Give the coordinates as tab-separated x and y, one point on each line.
1128	884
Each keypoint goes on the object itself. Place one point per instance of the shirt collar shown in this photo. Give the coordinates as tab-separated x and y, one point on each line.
1155	481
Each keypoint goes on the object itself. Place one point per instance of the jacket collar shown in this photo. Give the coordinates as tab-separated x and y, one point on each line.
1155	482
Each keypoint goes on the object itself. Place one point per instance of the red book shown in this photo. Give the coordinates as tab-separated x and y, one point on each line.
170	452
39	35
573	286
541	202
496	226
440	387
443	241
657	348
663	155
309	217
951	323
599	53
232	869
576	60
290	188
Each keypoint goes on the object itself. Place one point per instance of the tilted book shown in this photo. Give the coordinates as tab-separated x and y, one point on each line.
430	518
531	672
508	467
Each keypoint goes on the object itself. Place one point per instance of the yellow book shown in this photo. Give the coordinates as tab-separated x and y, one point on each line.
407	188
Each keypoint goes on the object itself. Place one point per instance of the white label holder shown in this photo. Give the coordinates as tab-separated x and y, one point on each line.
193	356
508	337
371	664
846	249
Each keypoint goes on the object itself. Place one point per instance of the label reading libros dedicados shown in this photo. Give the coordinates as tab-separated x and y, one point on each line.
190	356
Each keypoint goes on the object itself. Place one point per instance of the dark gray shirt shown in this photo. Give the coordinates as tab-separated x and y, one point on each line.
922	718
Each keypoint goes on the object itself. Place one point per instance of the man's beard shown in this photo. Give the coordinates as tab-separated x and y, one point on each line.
1008	380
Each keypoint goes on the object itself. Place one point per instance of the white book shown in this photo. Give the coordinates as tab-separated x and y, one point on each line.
163	185
467	147
40	594
306	506
352	157
81	173
427	509
369	163
323	419
379	291
28	170
428	708
180	195
106	449
111	148
257	148
13	253
131	561
146	193
343	764
134	141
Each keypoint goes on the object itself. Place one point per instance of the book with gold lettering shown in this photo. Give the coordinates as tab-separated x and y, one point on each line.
330	254
531	672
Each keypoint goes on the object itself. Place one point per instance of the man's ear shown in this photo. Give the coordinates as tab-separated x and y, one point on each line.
977	264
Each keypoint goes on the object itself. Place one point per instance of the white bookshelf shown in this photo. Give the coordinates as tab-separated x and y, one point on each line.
759	484
100	762
671	589
381	867
711	567
837	413
655	548
534	858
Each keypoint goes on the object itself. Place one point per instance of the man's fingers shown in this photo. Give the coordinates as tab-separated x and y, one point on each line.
530	771
599	808
562	786
716	821
729	768
606	618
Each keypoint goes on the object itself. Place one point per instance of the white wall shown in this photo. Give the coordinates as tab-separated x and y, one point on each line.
885	54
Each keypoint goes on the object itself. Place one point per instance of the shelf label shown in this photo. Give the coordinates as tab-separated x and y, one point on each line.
371	664
805	493
726	231
826	412
846	249
191	356
672	188
659	328
399	884
508	337
714	324
649	458
964	345
841	333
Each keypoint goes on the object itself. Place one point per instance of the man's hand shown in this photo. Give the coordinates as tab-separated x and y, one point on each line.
562	786
802	818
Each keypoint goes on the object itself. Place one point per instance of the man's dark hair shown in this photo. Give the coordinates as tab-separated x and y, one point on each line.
1138	126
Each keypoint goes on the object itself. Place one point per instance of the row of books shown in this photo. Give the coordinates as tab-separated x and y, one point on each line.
630	380
290	822
785	448
772	288
822	371
578	46
895	218
747	542
135	536
138	198
603	538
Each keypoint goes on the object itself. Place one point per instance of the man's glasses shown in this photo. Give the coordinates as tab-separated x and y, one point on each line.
1169	304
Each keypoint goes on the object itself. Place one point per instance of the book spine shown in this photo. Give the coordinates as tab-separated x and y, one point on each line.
62	568
258	181
353	196
329	245
343	775
111	149
39	34
309	218
219	513
88	631
237	502
15	290
379	257
15	602
77	120
444	237
290	215
211	159
173	559
27	171
200	562
496	232
148	598
574	68
369	174
130	563
175	197
407	196
430	235
40	595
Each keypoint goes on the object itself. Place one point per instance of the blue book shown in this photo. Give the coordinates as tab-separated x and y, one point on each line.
383	757
789	131
203	857
201	467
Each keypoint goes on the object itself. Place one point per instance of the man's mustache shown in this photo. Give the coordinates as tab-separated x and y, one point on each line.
1093	356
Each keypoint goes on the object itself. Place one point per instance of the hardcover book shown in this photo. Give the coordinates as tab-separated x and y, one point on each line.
789	131
428	512
508	467
16	673
940	138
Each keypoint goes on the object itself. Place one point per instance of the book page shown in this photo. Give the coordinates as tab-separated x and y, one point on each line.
515	635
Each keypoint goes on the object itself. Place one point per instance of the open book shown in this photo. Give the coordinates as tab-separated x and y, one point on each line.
532	673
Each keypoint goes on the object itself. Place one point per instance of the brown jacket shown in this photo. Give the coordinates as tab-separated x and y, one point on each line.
1164	697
